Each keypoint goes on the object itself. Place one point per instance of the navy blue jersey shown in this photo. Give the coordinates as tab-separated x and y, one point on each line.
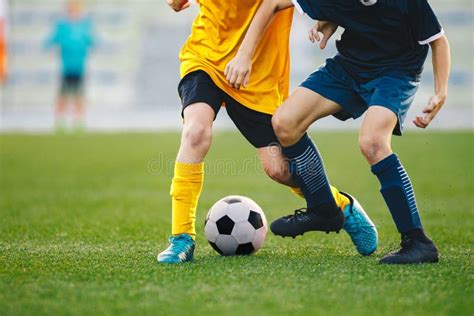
380	35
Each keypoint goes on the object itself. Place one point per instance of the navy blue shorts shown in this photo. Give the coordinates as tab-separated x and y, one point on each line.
394	90
72	85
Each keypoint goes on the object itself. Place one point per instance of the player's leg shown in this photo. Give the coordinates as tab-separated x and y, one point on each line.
257	128
357	224
79	113
60	107
275	166
189	167
290	122
323	94
187	182
60	113
396	187
79	104
196	136
201	102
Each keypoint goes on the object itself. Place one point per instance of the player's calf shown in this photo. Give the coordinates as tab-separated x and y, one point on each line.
275	165
278	175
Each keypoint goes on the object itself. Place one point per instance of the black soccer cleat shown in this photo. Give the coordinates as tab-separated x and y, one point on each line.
413	251
304	221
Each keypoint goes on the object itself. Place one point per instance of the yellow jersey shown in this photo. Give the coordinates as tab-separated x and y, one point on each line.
217	33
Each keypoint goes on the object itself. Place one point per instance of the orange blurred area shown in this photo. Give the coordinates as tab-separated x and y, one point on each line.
3	61
3	52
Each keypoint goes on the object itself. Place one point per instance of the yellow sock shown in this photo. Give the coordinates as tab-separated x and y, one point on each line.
186	188
297	191
341	200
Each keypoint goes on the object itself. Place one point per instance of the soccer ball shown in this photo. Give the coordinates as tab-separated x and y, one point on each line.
235	225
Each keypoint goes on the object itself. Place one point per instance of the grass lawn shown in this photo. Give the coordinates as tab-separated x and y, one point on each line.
83	217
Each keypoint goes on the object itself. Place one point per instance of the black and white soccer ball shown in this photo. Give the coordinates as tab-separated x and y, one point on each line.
235	225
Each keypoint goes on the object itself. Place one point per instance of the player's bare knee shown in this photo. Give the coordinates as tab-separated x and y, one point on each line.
197	135
284	129
373	148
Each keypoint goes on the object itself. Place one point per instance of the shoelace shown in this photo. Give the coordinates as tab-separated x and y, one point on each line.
350	226
297	213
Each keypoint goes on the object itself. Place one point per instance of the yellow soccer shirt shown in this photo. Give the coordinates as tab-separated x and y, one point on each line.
217	33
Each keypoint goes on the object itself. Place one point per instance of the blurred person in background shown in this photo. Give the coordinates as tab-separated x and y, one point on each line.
73	36
3	41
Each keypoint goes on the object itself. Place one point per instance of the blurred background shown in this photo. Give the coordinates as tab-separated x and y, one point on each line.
133	69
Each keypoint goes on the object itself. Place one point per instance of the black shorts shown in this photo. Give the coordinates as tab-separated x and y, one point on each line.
72	85
255	126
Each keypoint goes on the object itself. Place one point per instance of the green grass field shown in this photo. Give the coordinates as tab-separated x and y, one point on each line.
83	217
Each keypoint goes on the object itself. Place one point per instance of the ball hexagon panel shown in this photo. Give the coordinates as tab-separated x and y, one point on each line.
211	231
225	225
238	212
255	207
245	249
255	219
259	237
243	232
214	246
218	210
226	244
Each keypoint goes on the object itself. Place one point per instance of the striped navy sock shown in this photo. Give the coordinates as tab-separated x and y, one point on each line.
397	191
307	169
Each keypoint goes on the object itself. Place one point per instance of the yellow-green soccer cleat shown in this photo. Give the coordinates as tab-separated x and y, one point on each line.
359	227
181	249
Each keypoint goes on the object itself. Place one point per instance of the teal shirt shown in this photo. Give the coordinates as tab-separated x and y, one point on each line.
74	39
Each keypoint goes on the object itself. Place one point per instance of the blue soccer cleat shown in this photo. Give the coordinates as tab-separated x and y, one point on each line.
359	227
181	249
